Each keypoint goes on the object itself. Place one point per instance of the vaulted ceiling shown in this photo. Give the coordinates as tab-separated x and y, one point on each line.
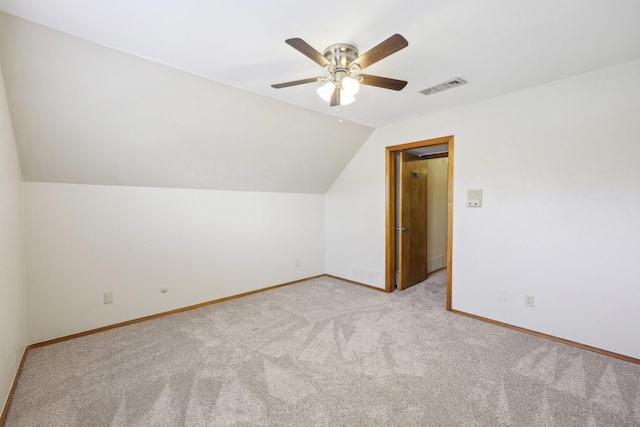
177	93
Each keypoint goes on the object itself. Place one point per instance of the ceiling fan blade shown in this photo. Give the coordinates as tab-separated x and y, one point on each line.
384	49
335	97
297	82
383	82
306	49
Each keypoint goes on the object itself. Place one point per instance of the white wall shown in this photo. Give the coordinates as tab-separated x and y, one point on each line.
85	240
558	165
13	309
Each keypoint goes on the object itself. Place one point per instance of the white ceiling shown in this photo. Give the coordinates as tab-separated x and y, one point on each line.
498	46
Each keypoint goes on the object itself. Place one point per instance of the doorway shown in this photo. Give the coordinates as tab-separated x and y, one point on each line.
393	208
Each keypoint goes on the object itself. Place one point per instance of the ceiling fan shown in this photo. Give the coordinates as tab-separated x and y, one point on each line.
343	63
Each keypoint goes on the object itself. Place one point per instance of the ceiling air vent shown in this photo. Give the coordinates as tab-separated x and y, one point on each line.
449	84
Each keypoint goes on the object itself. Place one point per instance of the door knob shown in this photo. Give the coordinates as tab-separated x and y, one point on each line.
402	229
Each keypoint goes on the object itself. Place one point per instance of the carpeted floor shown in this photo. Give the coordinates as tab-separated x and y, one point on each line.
326	353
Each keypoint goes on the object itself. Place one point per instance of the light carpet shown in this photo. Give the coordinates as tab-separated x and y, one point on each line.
323	353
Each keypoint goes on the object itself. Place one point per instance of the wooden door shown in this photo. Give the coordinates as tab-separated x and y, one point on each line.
412	221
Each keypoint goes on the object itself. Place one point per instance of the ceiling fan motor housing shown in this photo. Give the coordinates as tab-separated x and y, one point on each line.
341	55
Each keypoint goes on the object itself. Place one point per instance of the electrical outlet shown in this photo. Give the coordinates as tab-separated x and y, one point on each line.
297	263
528	300
108	297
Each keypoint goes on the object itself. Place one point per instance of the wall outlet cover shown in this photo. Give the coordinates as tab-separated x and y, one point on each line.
108	297
528	300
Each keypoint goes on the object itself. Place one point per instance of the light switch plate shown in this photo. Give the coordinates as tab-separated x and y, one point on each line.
474	198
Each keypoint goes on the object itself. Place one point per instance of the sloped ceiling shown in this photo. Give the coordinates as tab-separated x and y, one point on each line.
177	93
87	114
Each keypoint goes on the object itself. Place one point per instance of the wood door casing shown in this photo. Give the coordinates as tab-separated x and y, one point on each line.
391	264
412	216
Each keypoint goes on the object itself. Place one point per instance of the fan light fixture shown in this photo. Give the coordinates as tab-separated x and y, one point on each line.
326	90
346	99
348	87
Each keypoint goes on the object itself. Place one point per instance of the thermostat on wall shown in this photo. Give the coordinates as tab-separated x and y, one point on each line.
474	198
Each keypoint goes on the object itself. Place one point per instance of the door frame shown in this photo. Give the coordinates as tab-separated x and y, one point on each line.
390	240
